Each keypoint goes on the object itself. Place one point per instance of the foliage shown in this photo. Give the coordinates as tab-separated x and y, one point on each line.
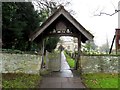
20	80
50	6
19	20
70	61
104	48
53	55
45	7
51	43
89	48
101	80
11	51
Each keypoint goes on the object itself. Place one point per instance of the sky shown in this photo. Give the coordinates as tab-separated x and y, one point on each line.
102	27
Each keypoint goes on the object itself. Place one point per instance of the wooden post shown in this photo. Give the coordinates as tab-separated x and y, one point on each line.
42	54
47	60
78	62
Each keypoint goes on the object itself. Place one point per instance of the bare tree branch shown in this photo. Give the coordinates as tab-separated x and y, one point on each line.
53	5
103	13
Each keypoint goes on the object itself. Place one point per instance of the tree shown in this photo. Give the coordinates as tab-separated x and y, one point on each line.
105	47
51	43
104	13
19	20
48	7
9	30
89	48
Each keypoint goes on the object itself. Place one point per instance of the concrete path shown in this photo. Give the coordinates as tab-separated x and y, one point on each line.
62	79
65	68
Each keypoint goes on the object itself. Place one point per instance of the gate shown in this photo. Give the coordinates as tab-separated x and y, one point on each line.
53	61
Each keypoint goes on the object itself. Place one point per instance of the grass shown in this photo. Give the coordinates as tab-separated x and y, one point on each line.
20	80
101	80
70	61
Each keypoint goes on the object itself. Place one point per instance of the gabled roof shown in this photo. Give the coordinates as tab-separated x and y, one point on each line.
53	17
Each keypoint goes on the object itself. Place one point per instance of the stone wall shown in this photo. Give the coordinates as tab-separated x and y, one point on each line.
93	64
25	63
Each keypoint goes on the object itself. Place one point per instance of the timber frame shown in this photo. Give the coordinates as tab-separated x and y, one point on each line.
61	23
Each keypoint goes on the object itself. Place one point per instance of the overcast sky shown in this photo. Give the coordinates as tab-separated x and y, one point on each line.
101	27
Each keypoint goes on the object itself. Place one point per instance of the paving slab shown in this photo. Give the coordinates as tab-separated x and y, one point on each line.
62	79
61	82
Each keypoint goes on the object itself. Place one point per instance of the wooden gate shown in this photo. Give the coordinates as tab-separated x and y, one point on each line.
53	61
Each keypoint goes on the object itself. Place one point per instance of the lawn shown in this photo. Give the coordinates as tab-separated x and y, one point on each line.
101	80
70	61
20	80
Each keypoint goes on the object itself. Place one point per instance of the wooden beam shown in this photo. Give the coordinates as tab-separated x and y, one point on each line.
62	34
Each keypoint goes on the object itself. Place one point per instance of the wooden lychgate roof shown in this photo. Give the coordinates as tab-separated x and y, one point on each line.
61	16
